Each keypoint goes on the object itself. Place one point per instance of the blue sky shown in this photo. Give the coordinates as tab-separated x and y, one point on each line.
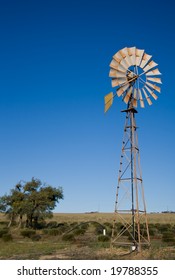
54	65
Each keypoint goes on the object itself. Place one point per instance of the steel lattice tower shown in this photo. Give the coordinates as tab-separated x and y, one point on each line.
130	226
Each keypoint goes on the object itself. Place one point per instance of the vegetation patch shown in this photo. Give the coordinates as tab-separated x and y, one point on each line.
7	237
3	231
28	232
68	237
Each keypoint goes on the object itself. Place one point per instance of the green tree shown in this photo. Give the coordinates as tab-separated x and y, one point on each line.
32	200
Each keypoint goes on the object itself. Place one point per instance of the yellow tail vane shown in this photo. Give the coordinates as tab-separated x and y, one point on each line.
108	101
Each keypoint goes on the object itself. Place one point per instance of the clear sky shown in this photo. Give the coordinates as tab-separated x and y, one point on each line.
54	65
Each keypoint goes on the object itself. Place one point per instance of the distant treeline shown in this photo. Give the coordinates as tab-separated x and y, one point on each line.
168	212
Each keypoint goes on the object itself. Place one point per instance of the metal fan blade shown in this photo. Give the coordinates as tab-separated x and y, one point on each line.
147	97
122	89
132	54
141	99
151	92
123	52
128	95
153	72
153	86
157	80
122	68
118	57
146	57
124	64
128	60
139	55
115	65
108	101
116	74
118	81
149	66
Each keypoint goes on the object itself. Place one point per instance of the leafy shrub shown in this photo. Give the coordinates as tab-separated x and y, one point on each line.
103	238
36	237
52	224
7	237
27	232
109	225
73	224
54	232
84	226
68	237
168	236
4	223
164	228
99	229
3	231
79	231
119	225
152	231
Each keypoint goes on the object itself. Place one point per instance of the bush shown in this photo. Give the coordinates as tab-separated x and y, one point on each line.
3	231
73	224
52	224
168	236
164	228
54	232
79	231
36	237
103	238
7	237
27	232
84	226
99	229
4	223
68	237
109	225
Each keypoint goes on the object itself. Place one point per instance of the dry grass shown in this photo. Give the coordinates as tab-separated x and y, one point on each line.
162	218
85	246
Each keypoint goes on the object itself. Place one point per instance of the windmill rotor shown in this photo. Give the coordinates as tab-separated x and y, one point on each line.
135	76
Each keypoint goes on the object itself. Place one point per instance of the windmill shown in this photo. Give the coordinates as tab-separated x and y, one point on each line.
136	78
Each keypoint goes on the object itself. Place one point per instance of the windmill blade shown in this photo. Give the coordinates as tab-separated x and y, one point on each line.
124	52
121	67
153	86
147	97
151	92
118	57
145	59
153	72
135	98
157	80
141	99
108	101
149	66
118	81
122	89
132	54
116	74
124	63
139	54
128	95
128	60
115	65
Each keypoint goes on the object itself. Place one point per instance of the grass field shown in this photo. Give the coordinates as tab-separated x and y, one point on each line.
79	236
